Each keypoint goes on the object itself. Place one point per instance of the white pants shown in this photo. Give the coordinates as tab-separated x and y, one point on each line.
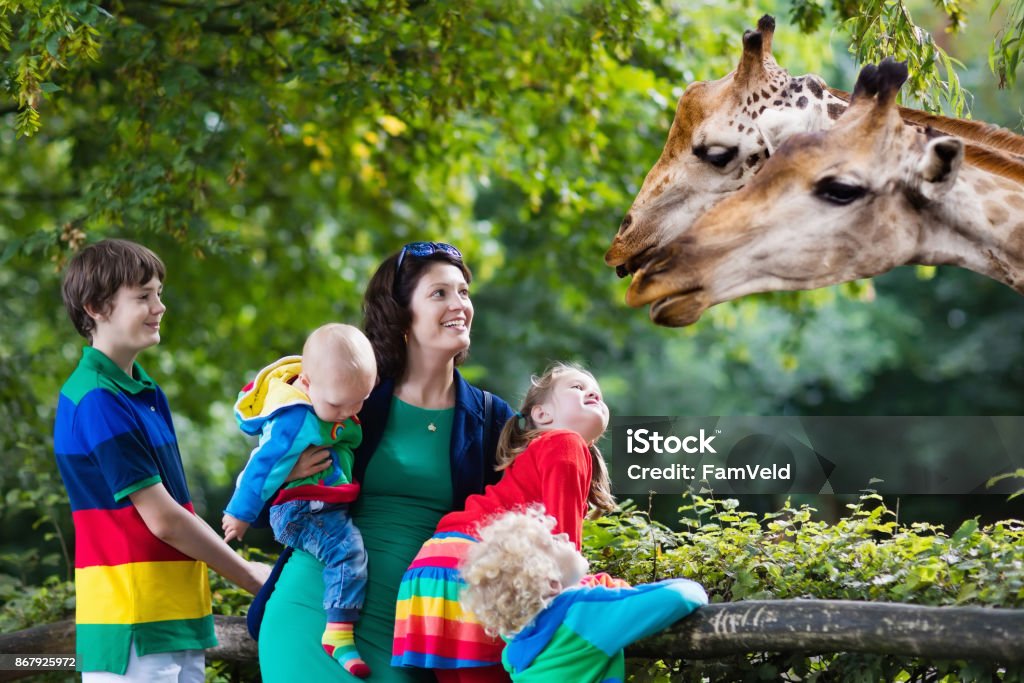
183	666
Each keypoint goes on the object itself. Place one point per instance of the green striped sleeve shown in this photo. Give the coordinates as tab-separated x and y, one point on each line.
137	486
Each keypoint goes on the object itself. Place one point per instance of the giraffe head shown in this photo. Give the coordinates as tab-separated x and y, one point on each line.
722	134
828	207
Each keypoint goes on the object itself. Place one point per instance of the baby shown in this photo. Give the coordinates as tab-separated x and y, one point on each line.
293	404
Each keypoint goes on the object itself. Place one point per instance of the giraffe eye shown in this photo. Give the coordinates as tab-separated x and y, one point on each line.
837	192
716	155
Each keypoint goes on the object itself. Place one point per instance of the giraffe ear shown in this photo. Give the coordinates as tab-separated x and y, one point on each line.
939	165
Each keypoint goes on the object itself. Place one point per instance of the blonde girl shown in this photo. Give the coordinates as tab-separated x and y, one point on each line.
549	458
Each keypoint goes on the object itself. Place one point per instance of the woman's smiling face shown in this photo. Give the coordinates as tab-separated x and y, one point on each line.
442	312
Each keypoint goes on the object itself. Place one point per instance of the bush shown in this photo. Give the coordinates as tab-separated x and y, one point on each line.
867	555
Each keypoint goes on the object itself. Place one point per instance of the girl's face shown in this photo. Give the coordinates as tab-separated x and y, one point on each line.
441	311
574	403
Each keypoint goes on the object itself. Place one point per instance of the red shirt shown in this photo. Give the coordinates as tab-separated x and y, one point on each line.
554	470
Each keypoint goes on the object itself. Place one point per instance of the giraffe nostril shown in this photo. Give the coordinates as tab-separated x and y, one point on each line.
626	222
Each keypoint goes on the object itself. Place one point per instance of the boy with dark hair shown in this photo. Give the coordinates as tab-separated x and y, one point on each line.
143	597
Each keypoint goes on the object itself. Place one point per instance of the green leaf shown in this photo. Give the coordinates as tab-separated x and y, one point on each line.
53	44
966	530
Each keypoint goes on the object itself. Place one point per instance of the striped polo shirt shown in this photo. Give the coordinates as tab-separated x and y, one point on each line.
113	436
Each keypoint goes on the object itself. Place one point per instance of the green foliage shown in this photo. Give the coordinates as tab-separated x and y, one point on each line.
866	555
39	38
885	28
33	498
25	606
1005	53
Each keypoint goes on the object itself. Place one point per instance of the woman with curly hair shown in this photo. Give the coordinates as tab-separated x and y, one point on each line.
548	457
524	584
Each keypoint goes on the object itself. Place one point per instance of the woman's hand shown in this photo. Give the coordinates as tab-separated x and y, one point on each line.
313	460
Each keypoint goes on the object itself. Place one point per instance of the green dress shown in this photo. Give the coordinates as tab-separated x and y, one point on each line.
406	490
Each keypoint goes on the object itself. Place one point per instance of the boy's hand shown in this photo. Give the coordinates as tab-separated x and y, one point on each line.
233	528
260	572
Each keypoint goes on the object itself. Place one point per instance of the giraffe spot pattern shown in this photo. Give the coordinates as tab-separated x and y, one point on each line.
815	88
996	213
984	186
1016	202
1015	245
802	102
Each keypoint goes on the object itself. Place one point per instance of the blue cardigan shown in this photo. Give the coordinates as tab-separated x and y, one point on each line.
472	460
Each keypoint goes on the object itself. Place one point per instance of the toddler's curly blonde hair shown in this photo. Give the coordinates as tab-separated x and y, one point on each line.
512	573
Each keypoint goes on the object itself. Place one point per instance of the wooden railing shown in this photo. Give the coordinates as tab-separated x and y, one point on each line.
810	626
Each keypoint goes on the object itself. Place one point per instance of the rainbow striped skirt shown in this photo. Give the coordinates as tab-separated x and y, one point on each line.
432	631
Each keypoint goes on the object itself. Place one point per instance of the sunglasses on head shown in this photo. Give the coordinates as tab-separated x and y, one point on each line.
424	249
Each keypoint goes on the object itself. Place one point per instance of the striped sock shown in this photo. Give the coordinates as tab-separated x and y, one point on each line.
339	642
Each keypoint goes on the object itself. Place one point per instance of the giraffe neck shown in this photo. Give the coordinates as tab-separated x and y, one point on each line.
979	226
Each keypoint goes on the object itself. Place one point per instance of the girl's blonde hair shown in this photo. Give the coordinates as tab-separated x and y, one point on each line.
512	573
520	430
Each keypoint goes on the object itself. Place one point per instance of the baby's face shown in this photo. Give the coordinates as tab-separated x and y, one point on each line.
572	565
335	396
